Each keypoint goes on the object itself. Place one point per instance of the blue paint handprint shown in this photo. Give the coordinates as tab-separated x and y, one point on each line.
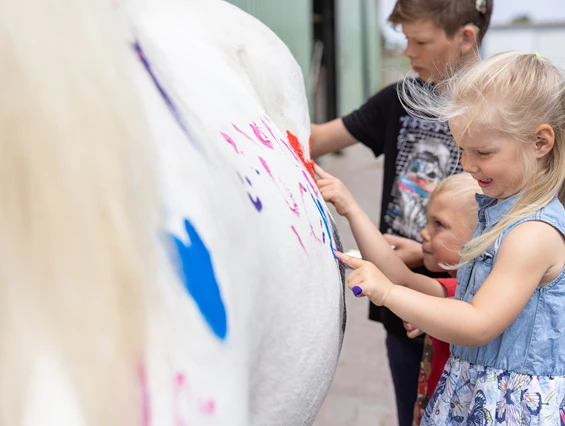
197	273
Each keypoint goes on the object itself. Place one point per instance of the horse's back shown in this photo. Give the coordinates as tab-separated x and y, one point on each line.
237	177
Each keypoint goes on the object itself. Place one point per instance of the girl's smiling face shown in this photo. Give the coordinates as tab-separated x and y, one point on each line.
498	163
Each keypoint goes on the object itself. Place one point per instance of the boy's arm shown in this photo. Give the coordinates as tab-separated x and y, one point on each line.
330	137
366	124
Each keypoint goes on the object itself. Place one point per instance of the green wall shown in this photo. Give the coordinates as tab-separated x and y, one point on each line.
359	52
358	42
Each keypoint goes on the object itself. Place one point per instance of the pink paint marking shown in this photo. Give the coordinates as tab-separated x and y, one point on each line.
230	141
205	406
241	132
208	408
264	121
145	407
313	187
303	190
180	380
288	198
265	166
180	385
313	234
261	136
299	239
281	140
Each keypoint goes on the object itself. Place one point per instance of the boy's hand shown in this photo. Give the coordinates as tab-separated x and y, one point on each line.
408	250
411	330
366	279
334	191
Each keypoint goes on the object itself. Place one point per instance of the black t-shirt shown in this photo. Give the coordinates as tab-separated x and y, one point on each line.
418	155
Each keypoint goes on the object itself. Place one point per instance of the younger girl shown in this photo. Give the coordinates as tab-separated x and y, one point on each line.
452	216
507	326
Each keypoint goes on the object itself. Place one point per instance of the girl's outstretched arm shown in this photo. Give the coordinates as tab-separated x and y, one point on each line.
519	269
372	244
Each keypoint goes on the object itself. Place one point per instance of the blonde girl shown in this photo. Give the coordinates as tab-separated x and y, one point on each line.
452	217
506	326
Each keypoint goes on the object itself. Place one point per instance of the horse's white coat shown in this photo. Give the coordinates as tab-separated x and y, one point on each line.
279	282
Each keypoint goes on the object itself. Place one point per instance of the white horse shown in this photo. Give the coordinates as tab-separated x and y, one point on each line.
167	258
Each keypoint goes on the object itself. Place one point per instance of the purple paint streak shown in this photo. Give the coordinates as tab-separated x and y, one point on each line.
168	100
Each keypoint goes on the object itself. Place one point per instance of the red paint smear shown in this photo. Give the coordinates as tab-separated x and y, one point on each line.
230	141
299	239
297	147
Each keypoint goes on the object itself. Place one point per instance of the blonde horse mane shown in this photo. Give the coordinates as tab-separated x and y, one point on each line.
78	216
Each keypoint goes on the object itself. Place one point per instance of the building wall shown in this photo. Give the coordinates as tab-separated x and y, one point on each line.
548	40
359	52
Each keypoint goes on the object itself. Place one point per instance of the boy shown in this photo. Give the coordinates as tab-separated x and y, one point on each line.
442	35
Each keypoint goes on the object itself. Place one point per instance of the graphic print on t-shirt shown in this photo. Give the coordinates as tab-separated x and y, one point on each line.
426	156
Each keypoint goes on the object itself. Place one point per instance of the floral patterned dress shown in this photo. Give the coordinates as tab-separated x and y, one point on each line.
517	378
473	395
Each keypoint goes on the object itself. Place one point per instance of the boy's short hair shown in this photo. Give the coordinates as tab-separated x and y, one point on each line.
450	15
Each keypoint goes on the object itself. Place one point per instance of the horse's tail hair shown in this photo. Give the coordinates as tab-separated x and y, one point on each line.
78	210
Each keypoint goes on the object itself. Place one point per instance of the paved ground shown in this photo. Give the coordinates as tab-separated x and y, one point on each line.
361	393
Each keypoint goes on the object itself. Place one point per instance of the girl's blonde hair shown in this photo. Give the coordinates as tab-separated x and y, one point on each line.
461	186
79	215
509	94
462	189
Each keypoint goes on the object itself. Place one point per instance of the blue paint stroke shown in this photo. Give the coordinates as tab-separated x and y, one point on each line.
197	273
325	220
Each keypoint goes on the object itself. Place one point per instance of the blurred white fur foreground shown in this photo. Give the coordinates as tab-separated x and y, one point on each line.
167	257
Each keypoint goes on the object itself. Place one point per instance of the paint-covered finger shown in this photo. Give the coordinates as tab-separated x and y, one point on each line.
352	262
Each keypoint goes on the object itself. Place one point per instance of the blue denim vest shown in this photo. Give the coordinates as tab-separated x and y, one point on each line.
534	343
